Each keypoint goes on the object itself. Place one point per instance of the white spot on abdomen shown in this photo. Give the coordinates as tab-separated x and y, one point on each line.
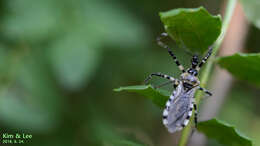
186	122
168	103
165	122
165	113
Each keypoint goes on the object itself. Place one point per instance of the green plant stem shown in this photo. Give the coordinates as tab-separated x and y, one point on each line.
209	66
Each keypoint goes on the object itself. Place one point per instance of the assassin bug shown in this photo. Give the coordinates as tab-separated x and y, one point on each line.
179	106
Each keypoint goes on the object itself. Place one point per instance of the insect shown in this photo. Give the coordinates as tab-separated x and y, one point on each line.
179	107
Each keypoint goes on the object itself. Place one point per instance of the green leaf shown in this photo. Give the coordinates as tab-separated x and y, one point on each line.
17	114
243	66
194	28
30	99
74	60
113	25
37	20
158	96
47	19
224	133
251	9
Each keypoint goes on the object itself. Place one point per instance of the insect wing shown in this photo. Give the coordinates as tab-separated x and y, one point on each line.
179	110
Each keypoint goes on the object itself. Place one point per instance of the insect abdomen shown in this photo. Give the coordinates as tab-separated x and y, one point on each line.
167	108
178	110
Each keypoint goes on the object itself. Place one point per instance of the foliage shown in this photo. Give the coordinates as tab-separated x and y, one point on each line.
59	60
50	52
194	28
158	97
251	8
223	133
215	129
243	66
187	27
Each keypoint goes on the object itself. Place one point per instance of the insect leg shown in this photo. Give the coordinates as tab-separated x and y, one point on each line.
195	114
203	61
206	91
159	75
160	43
195	117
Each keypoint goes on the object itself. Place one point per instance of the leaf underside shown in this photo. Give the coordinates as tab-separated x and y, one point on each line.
158	96
224	133
243	66
194	29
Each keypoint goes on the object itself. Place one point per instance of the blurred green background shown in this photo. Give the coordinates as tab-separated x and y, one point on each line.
60	60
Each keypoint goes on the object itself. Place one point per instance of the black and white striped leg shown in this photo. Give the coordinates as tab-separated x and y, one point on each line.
160	43
195	114
203	61
159	75
206	91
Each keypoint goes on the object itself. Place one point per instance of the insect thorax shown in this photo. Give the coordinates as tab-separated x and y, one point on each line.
189	81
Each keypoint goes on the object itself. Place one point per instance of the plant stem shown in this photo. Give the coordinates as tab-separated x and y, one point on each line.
209	66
